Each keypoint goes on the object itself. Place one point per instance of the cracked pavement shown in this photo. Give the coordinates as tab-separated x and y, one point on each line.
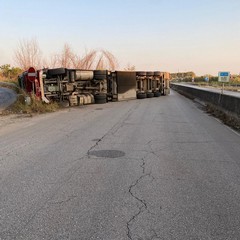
147	169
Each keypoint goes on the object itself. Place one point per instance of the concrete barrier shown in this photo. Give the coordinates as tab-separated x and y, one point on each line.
223	101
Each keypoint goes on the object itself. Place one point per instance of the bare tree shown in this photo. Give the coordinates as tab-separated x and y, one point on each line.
53	62
110	60
77	61
28	54
94	59
130	67
67	57
87	61
99	59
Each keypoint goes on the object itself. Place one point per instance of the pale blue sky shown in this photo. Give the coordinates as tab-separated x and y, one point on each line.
166	35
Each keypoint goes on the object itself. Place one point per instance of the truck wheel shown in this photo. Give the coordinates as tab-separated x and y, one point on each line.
150	95
141	95
149	73
100	77
100	98
141	73
100	74
64	104
56	71
157	94
157	73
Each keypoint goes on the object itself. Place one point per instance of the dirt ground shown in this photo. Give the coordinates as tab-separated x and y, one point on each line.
7	120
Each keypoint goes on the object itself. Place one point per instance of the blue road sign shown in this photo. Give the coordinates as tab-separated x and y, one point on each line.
224	74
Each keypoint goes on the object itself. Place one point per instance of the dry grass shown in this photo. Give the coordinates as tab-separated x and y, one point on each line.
21	107
227	118
7	80
228	86
11	85
35	106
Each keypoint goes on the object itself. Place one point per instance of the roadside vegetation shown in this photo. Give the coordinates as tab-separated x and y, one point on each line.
30	105
29	54
25	103
9	74
191	78
228	119
231	86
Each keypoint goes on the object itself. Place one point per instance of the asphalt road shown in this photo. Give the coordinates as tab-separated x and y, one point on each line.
7	97
147	169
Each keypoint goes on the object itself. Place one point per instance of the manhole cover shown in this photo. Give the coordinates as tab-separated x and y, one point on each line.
107	153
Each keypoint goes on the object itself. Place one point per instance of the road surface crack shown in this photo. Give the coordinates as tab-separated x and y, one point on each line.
143	203
63	201
155	235
113	129
96	144
142	208
143	165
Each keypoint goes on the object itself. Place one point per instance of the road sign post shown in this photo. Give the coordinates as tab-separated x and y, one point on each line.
31	74
207	79
223	77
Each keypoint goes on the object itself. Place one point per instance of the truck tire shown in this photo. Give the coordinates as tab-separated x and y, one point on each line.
141	95
64	104
100	77
100	74
149	73
150	95
141	73
157	73
56	71
157	94
100	98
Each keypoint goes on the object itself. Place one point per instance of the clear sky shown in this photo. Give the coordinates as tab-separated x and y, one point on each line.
167	35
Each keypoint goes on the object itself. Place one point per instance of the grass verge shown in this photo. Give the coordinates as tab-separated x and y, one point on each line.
227	118
34	106
12	85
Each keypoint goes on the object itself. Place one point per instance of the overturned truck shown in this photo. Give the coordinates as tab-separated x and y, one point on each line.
78	87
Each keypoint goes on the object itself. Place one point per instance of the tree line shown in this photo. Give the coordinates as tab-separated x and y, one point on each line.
9	73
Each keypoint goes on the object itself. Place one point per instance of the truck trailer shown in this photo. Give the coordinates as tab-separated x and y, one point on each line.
79	87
